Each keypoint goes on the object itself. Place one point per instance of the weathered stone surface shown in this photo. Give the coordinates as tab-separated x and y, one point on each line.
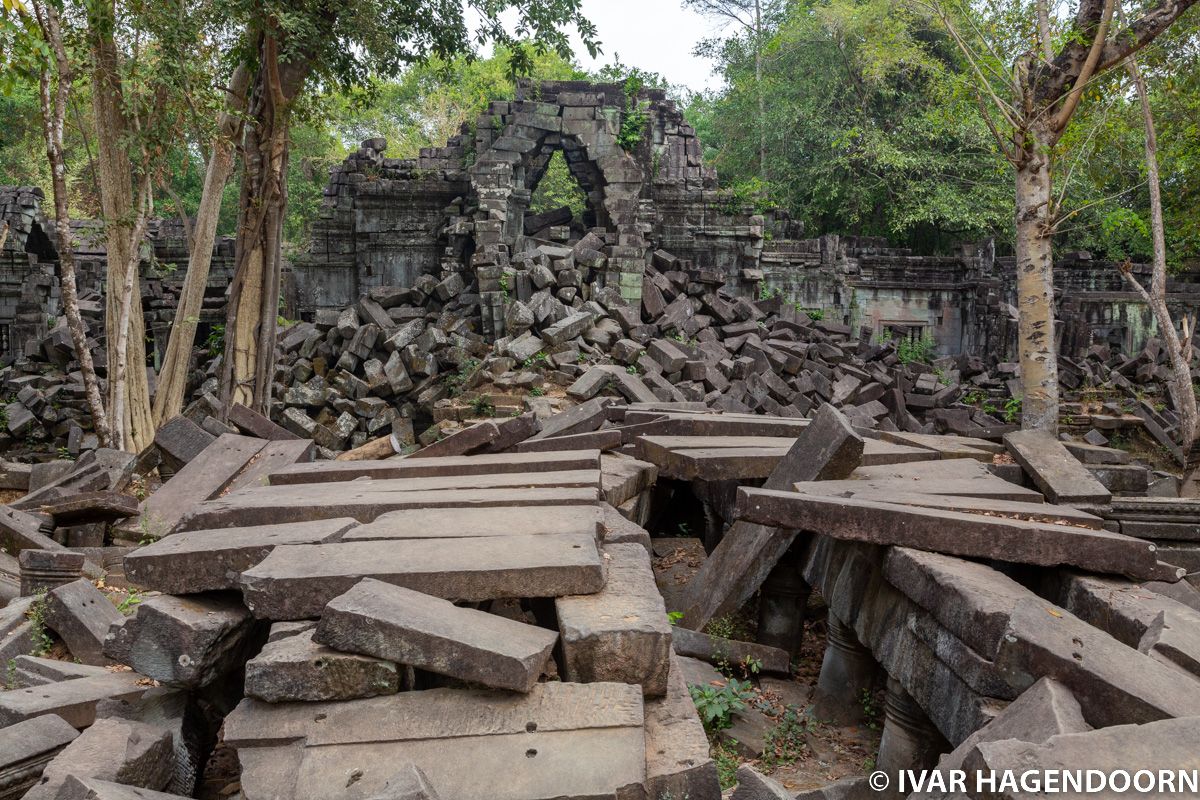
16	630
1043	710
714	650
677	750
1162	745
180	440
252	423
455	523
126	752
622	478
407	627
1054	470
620	633
36	670
81	614
204	561
274	455
753	785
366	500
73	700
76	788
103	506
409	783
827	449
202	478
183	641
484	464
955	533
292	668
1114	684
296	581
583	418
26	748
561	740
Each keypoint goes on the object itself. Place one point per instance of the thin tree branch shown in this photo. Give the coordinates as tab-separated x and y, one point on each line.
1089	68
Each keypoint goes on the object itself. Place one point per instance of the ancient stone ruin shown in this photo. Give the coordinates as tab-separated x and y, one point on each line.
631	506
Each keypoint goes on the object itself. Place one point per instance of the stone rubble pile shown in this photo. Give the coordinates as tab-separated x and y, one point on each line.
480	618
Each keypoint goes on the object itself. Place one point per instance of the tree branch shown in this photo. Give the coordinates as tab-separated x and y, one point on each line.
1089	68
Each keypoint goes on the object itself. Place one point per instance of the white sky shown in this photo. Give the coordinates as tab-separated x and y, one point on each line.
655	35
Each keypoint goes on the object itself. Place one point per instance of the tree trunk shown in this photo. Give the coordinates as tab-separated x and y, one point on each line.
172	384
1035	286
252	309
1183	396
119	211
54	111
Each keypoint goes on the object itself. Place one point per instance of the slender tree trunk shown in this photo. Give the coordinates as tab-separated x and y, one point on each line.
53	117
172	384
1035	286
120	212
1183	396
252	306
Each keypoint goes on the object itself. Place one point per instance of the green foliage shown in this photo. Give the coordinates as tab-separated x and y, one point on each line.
130	602
674	617
558	188
785	743
636	117
815	314
537	391
482	406
909	350
214	343
716	704
727	761
1012	410
42	642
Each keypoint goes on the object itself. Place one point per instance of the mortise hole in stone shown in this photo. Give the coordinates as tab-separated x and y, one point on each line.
530	727
530	753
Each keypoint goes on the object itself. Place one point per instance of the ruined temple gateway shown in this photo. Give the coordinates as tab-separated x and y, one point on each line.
463	208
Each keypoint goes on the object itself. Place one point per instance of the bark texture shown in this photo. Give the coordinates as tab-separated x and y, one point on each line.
172	383
54	111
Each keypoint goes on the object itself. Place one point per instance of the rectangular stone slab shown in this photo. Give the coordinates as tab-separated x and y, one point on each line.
296	581
710	460
1014	509
211	560
827	449
1053	469
683	424
945	446
678	763
26	747
562	740
491	464
456	523
242	510
202	478
620	633
984	488
74	700
608	439
955	533
397	624
274	456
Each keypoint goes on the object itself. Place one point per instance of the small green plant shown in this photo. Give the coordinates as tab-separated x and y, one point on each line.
751	665
635	118
717	704
727	761
1012	410
632	369
37	619
910	350
63	454
767	293
815	314
870	708
537	391
974	397
674	617
504	288
214	343
785	742
129	602
539	360
482	406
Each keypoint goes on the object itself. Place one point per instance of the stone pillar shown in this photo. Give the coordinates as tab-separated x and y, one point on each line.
781	605
910	741
847	671
46	569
